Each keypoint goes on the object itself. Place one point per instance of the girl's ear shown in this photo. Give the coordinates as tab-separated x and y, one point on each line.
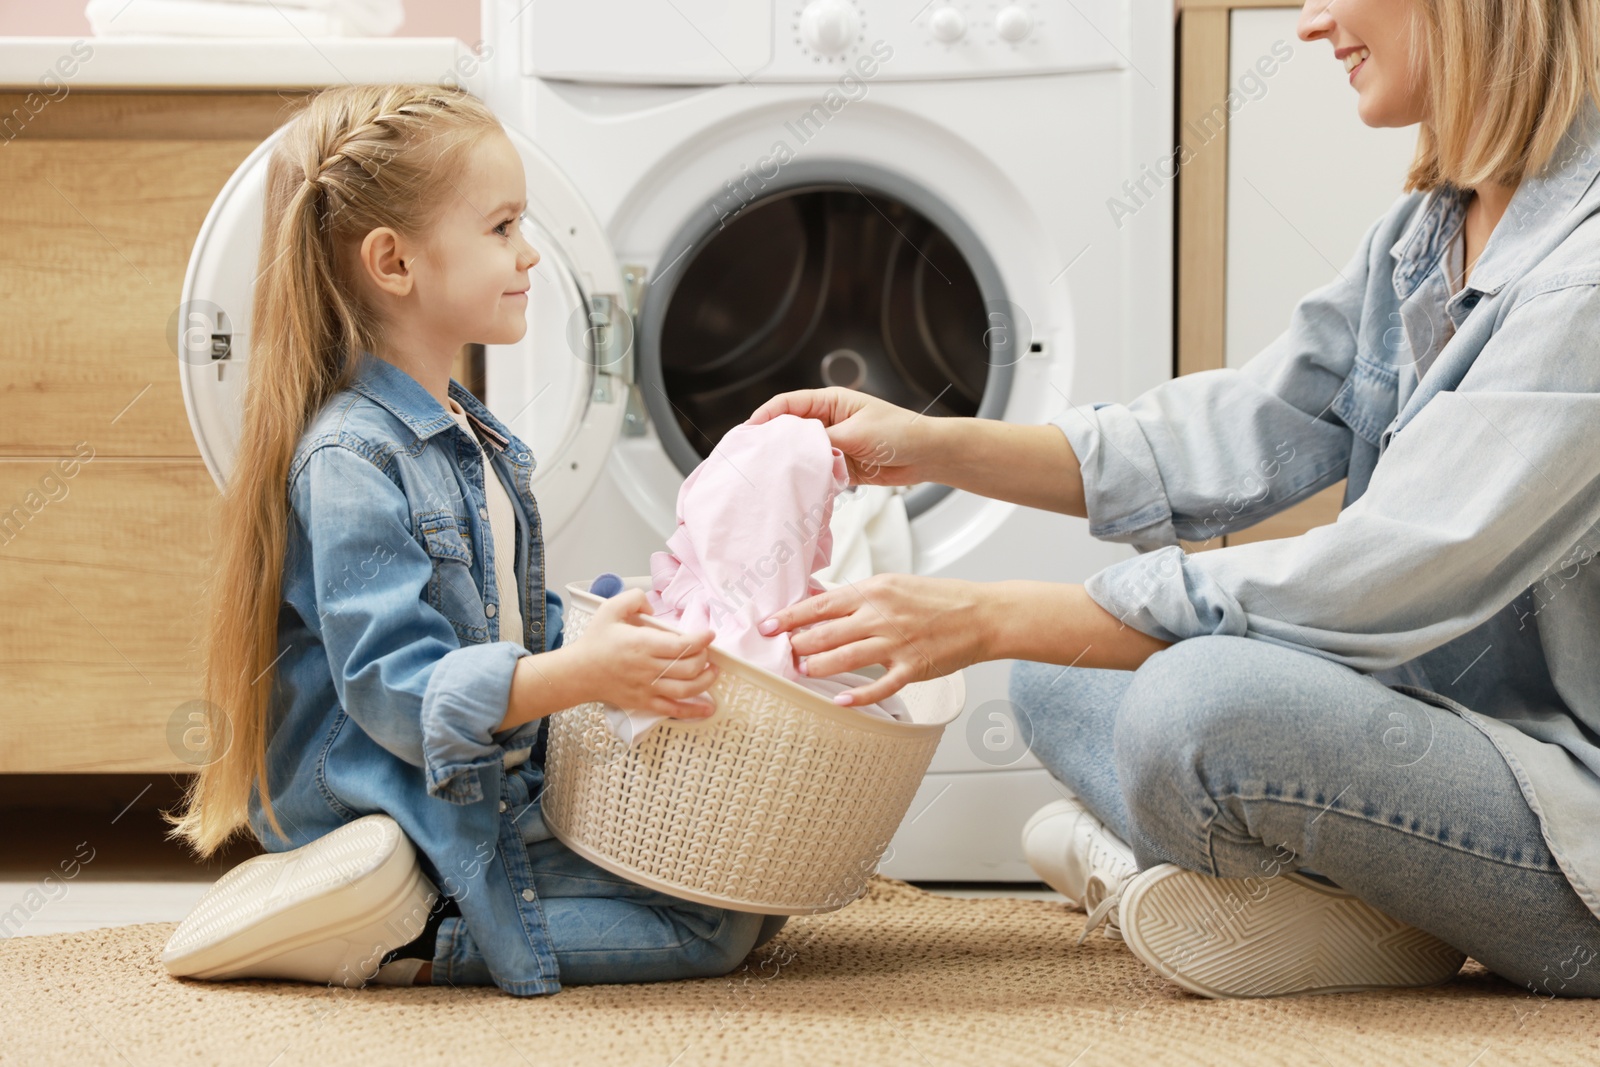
385	260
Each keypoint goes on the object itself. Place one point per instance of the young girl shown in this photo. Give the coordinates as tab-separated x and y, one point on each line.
383	649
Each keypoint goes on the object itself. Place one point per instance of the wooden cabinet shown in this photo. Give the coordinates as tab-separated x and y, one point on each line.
107	513
1282	180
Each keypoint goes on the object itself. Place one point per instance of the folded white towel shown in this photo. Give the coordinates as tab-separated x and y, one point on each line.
244	18
375	18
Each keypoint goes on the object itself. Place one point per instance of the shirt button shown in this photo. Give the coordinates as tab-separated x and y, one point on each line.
523	456
488	609
483	513
502	805
527	894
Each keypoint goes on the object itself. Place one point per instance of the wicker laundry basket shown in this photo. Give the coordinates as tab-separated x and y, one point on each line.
781	802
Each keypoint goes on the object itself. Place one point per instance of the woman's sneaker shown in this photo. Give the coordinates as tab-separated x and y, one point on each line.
1074	854
1265	937
326	912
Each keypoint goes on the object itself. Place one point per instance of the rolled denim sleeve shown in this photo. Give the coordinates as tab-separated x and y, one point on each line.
1489	488
398	665
1216	451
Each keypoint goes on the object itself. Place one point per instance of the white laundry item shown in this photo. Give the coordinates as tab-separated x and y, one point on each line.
372	18
631	725
871	534
243	18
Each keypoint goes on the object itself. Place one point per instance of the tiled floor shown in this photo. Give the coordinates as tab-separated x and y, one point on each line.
106	862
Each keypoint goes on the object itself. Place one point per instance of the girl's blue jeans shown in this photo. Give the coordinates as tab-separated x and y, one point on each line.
1236	758
605	928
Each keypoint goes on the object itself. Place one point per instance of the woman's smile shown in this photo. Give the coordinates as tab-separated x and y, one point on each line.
1354	60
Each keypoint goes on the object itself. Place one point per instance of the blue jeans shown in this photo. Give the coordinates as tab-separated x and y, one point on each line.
605	928
1236	757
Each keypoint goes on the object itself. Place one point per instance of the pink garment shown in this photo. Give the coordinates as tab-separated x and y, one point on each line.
752	527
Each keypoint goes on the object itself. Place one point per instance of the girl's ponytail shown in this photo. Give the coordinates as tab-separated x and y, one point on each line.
356	158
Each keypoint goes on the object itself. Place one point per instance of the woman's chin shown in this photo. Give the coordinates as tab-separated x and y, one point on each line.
1379	112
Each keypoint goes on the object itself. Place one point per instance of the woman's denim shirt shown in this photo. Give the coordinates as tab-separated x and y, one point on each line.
393	673
1468	427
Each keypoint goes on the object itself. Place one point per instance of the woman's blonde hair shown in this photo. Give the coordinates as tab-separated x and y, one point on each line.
357	157
1506	78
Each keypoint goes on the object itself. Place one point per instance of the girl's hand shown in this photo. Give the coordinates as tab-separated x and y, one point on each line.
638	667
917	627
882	444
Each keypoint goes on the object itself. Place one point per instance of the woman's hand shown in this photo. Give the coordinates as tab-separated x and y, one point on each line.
882	444
638	667
916	627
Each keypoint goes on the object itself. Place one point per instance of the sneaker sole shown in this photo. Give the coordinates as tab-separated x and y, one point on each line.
326	912
1246	937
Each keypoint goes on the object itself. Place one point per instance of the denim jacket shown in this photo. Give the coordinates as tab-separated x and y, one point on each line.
393	672
1461	567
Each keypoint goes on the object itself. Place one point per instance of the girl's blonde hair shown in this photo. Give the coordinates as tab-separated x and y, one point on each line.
1505	80
357	157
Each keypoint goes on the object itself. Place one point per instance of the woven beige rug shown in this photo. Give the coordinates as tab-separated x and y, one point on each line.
899	977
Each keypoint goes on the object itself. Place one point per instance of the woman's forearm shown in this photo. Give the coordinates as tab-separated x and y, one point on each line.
1032	465
1049	622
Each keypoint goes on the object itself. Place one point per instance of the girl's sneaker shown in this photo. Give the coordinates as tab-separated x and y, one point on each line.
1074	854
1265	937
326	912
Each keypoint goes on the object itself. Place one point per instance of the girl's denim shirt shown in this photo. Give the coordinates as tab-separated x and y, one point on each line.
392	672
1462	567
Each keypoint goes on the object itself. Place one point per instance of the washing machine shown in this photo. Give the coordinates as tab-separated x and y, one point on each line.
958	208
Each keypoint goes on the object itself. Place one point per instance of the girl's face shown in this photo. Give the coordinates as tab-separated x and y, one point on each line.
472	279
1373	39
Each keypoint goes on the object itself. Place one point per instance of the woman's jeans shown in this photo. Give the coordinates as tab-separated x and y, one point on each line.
1236	758
604	928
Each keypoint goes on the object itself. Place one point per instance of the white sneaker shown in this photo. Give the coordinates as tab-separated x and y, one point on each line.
326	912
1074	853
1265	937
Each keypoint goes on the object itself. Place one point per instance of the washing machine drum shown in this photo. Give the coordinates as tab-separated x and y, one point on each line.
842	282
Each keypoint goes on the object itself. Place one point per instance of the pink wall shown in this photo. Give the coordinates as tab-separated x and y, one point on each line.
64	18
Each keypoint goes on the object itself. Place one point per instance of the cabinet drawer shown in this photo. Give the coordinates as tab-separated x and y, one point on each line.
102	573
101	198
98	235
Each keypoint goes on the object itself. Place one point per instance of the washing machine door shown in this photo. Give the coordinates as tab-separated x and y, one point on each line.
562	388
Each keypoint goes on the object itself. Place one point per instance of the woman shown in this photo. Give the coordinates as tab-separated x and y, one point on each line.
1345	759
